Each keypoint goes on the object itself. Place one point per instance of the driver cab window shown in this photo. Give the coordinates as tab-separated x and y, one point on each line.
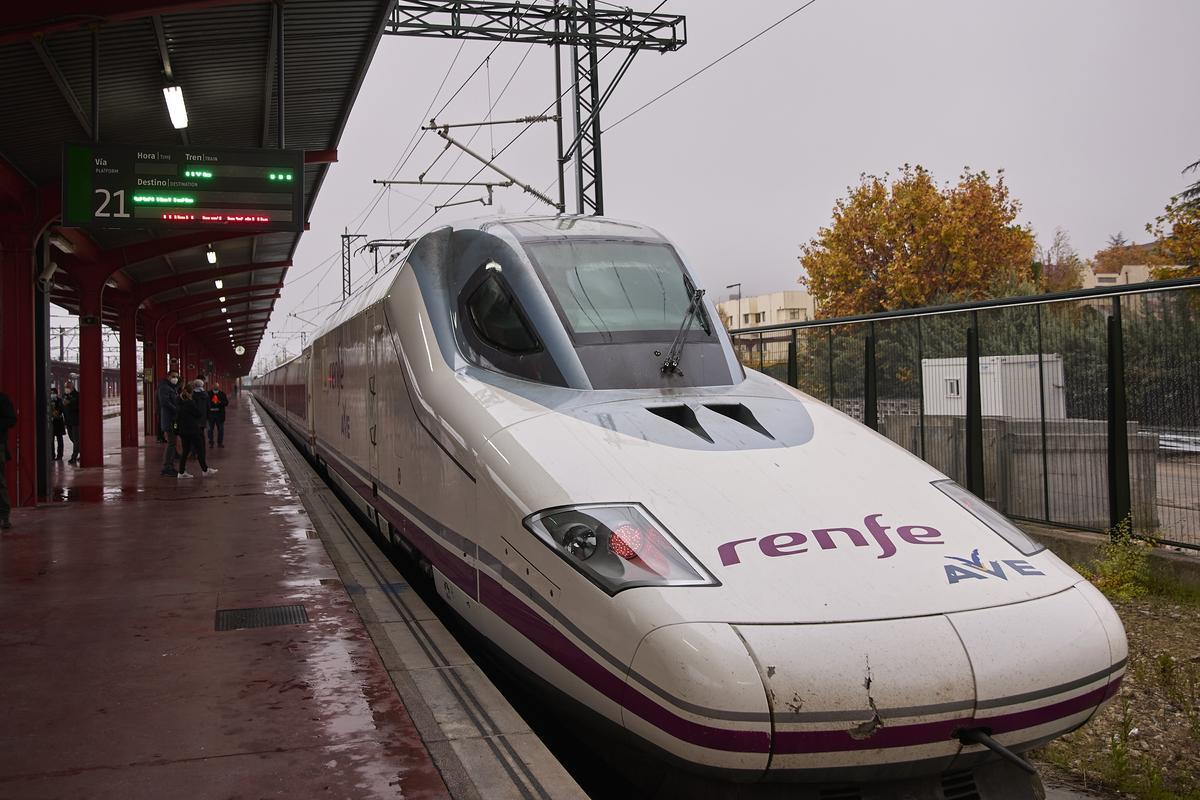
496	319
497	334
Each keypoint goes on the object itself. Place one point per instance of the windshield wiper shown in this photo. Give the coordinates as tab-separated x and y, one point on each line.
671	363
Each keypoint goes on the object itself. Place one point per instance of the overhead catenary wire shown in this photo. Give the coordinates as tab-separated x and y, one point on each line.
457	158
330	262
710	65
512	141
695	74
400	163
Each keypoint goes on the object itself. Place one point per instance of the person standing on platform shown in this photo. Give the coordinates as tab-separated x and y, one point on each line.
168	411
8	418
70	410
191	431
159	436
217	402
58	428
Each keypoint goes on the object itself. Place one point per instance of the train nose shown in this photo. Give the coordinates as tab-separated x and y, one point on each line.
875	700
863	700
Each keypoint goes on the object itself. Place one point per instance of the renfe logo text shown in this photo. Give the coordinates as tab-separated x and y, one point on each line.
793	543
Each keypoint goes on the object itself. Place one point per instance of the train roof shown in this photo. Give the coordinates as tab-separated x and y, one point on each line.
523	228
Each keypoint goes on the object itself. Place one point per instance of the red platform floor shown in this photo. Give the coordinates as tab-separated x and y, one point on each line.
113	681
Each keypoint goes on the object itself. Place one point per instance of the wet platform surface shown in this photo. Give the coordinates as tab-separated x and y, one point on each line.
114	681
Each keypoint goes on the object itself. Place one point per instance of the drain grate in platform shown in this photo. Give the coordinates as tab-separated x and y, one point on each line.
232	619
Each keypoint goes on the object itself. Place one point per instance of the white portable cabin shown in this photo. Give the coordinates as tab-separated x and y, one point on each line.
1008	386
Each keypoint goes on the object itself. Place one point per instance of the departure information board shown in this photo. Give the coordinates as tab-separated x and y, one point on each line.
123	186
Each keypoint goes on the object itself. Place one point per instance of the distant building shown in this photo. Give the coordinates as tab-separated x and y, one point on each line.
777	308
1100	275
1130	273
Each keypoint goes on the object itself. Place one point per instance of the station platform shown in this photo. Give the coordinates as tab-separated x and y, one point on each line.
116	682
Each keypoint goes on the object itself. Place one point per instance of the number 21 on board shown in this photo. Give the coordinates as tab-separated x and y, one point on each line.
107	197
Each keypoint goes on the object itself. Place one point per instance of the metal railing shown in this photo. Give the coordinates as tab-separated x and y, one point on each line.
1077	409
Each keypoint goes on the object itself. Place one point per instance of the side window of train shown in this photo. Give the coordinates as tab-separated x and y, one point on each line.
496	329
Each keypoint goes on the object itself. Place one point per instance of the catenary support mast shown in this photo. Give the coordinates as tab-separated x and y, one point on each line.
577	24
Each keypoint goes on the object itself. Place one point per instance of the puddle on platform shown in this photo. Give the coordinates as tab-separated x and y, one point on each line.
94	494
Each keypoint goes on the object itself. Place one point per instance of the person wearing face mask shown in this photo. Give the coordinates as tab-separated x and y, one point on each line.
58	426
70	407
217	401
168	411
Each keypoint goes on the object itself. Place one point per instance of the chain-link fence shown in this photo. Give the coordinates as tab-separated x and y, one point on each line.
1076	409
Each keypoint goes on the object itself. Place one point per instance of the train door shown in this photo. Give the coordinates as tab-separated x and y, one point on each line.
373	320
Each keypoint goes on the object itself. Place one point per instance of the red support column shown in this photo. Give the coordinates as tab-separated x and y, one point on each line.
17	346
127	326
91	364
150	367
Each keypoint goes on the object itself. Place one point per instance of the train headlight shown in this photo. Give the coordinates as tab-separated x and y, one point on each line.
618	546
990	517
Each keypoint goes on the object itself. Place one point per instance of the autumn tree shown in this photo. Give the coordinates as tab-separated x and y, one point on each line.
1059	268
907	242
1177	239
1191	195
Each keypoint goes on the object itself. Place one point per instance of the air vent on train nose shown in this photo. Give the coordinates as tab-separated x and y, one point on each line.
960	786
739	413
683	416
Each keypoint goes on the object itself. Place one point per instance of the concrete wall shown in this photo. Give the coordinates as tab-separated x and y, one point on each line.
1181	569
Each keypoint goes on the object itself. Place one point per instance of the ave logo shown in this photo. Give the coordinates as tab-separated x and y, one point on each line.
974	568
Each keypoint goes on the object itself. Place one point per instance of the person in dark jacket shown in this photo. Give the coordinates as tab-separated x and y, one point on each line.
191	430
58	427
70	407
217	402
8	418
168	410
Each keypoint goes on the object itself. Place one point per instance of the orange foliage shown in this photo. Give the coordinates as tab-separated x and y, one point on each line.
909	243
1177	232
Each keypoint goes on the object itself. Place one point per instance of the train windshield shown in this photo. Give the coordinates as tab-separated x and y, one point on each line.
607	290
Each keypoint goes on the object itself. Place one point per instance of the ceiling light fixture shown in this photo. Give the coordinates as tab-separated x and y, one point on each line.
220	284
211	255
175	106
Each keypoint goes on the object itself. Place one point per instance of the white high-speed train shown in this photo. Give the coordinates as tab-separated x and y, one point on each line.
740	579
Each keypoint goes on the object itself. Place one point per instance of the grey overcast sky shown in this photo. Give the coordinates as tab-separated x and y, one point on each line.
1089	106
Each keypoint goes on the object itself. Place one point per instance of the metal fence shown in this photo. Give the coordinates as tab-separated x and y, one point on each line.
1077	409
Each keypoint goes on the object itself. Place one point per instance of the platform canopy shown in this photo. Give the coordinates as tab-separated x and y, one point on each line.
224	58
